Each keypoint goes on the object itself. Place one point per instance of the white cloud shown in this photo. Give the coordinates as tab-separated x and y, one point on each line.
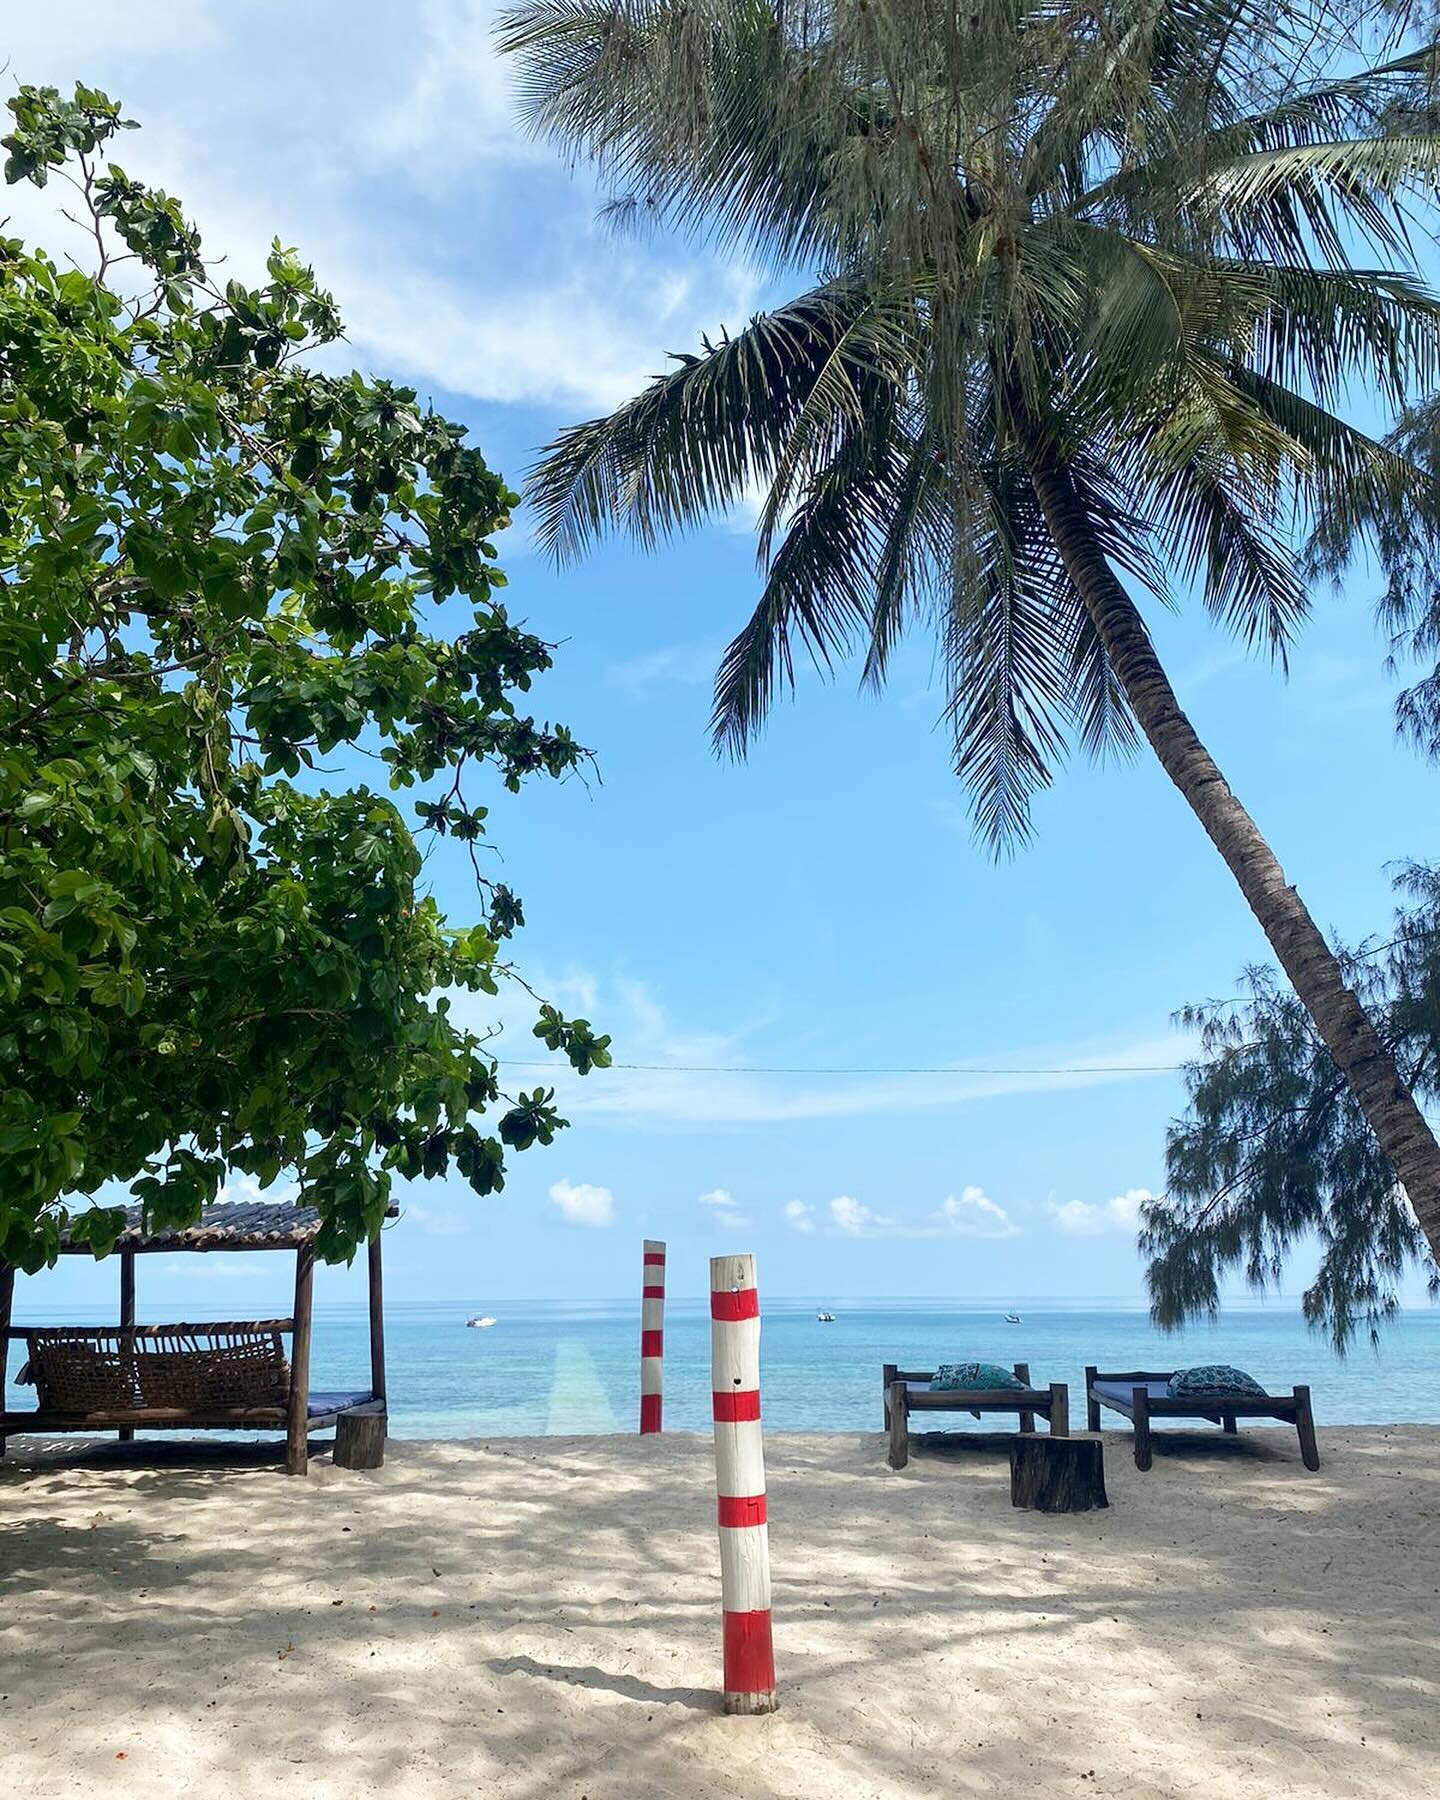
723	1210
569	342
687	665
582	1204
972	1213
1085	1218
457	80
436	1223
673	1092
239	1189
464	254
852	1219
227	1268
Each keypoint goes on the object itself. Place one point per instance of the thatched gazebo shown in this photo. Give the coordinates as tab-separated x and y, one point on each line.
230	1375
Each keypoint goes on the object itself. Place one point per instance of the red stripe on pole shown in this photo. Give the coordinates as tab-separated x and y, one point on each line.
652	1293
653	1260
652	1343
649	1412
738	1510
738	1407
739	1303
749	1653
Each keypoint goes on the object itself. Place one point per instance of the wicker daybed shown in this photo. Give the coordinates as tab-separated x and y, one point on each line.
230	1375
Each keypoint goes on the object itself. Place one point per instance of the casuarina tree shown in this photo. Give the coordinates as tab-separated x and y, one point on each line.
1091	286
1273	1151
226	574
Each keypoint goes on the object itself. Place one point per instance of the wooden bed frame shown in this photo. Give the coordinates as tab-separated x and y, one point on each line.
1143	1406
1052	1402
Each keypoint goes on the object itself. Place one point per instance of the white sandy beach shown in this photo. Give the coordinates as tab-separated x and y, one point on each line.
540	1618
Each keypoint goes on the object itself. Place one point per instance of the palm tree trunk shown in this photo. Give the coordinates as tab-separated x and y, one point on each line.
1343	1024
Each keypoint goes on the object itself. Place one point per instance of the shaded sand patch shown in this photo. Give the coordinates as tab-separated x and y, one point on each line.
539	1619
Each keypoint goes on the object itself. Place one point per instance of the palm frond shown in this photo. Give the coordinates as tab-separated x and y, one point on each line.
1278	202
1322	328
720	424
816	589
1007	673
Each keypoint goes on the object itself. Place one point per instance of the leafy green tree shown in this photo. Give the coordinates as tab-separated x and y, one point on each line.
1275	1152
219	565
1087	317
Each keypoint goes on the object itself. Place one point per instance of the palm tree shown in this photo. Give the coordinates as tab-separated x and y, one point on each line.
1088	307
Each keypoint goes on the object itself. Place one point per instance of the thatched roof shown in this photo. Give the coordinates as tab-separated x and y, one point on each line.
228	1225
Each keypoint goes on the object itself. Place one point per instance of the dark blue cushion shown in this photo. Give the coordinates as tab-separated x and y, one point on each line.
336	1401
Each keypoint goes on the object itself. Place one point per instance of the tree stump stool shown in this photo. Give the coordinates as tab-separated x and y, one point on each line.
360	1441
1056	1474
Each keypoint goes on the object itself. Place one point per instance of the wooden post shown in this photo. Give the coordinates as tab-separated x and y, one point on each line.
1305	1429
360	1441
377	1329
1022	1375
652	1336
7	1297
899	1414
749	1685
297	1445
887	1381
1057	1474
1092	1405
1140	1408
1059	1409
127	1316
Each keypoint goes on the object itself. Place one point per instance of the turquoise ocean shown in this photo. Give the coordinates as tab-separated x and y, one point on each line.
573	1367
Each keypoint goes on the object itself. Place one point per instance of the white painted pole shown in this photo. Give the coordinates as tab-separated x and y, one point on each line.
652	1337
740	1485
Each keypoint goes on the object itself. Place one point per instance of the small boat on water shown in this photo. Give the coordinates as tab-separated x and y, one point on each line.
825	1318
480	1319
1013	1319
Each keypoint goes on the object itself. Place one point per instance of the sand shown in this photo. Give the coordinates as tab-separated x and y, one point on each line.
539	1618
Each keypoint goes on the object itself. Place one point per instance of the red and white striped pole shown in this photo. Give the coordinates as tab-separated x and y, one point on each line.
652	1337
740	1485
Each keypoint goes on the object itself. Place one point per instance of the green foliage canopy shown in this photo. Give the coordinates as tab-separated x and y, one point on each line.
218	564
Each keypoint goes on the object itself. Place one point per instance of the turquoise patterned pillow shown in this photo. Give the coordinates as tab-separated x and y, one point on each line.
1214	1381
964	1376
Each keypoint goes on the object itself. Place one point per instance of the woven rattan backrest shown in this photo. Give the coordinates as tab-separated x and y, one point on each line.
115	1370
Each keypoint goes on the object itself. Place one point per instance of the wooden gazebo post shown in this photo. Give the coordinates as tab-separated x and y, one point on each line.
297	1447
7	1295
377	1326
126	1433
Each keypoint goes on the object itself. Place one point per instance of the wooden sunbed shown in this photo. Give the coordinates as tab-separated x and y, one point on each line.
1143	1394
908	1391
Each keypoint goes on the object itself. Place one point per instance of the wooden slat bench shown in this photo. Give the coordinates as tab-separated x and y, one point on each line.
908	1391
1143	1394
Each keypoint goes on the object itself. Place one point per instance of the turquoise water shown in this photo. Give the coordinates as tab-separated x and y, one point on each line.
564	1367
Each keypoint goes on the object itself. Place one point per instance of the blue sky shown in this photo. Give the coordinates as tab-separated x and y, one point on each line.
822	906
